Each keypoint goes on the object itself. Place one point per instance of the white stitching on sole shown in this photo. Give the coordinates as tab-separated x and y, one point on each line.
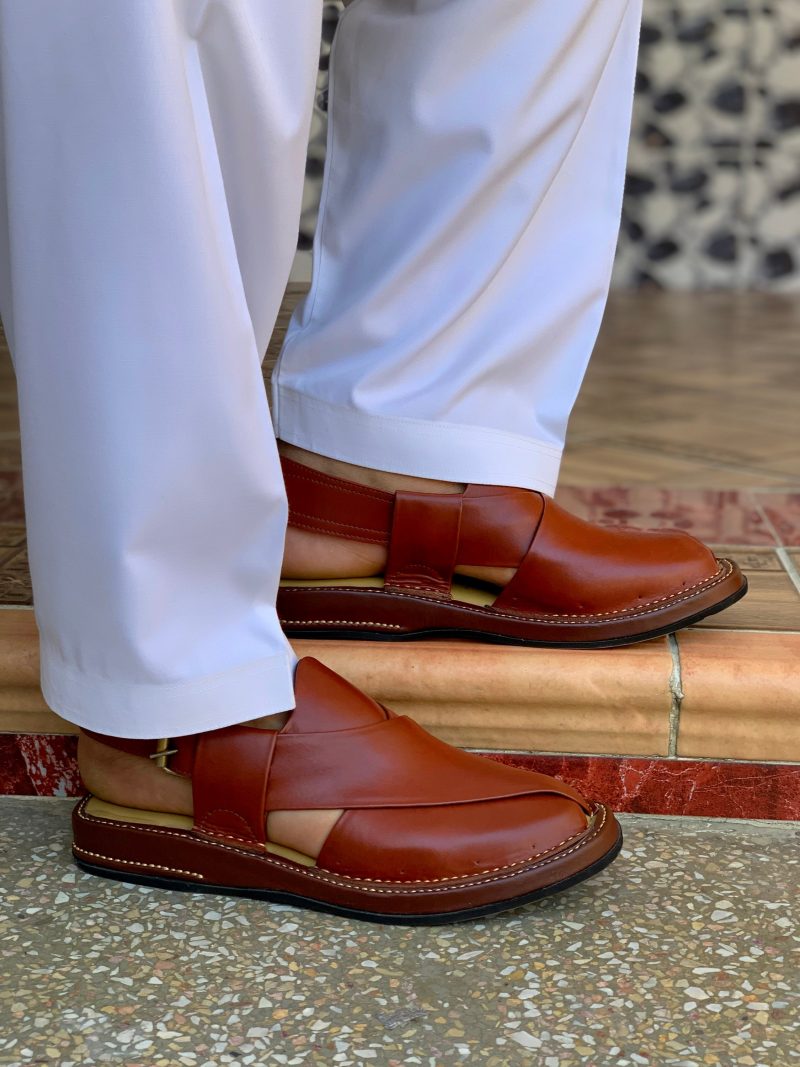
566	620
136	863
319	874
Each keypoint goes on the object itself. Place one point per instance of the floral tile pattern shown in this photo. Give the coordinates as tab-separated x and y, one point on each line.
783	511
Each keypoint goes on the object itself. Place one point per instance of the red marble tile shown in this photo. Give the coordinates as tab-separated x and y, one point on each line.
783	511
677	787
718	517
14	777
43	765
52	764
46	765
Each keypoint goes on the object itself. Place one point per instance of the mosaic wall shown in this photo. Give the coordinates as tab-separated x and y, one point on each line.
713	191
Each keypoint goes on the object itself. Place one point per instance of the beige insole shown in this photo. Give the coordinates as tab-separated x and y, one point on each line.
103	810
477	593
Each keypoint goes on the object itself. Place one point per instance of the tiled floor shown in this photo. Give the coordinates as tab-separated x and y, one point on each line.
681	954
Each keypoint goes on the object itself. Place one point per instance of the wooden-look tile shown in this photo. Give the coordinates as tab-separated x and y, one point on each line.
679	373
19	648
10	453
741	697
591	461
788	463
731	437
12	535
751	559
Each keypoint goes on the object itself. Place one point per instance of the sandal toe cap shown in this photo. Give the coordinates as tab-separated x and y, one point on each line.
450	841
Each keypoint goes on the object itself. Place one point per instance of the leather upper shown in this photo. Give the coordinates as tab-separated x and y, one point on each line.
563	564
410	801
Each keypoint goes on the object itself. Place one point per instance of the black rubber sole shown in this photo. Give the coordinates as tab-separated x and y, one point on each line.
501	639
440	919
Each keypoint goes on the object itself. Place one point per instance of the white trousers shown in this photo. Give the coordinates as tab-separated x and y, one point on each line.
150	189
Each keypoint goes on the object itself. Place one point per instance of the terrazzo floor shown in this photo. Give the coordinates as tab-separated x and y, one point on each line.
685	952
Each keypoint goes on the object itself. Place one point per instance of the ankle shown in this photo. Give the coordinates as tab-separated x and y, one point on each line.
376	479
132	781
309	555
136	782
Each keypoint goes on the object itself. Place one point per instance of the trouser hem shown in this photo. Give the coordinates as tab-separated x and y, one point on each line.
172	709
447	451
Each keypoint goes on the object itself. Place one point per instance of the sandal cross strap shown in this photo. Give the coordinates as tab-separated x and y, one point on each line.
575	584
427	833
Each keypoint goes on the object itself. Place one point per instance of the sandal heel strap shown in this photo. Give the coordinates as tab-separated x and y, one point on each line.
326	504
175	753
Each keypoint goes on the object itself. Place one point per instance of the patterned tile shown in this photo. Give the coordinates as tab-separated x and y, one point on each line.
12	535
15	588
774	69
783	511
681	220
751	559
728	517
689	86
771	208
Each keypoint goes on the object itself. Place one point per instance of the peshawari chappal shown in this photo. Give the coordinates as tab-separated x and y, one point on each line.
427	833
575	584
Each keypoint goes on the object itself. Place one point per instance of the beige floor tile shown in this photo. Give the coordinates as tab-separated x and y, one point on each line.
772	603
475	696
497	697
678	372
741	697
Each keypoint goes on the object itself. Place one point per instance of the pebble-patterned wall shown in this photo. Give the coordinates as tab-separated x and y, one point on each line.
713	191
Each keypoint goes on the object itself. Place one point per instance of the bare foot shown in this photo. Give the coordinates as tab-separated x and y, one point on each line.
310	555
136	782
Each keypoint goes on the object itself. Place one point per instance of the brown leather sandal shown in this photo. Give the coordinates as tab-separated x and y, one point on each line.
577	585
428	834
